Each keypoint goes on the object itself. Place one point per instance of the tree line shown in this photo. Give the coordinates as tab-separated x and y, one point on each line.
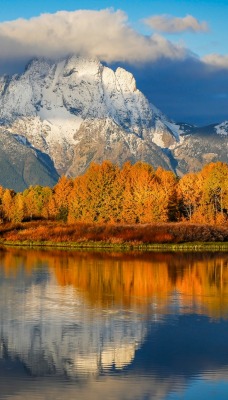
132	194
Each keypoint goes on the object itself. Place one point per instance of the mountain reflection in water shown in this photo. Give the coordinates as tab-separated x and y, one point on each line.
103	320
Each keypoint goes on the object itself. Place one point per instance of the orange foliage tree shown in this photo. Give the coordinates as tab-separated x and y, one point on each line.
204	195
59	206
95	195
133	194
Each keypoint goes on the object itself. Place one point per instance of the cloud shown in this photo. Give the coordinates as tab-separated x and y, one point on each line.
105	34
168	24
186	90
216	61
177	81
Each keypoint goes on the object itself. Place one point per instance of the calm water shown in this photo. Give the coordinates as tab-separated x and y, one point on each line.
84	325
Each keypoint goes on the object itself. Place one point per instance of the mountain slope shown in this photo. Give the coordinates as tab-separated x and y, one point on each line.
22	166
200	146
77	110
50	102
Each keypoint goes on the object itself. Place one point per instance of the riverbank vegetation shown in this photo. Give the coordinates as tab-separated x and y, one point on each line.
171	235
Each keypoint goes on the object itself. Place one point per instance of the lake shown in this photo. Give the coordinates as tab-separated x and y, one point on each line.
102	325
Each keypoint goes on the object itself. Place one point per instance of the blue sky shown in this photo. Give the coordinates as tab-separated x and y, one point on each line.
188	65
212	11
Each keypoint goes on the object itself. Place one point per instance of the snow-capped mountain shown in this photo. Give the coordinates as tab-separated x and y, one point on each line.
77	110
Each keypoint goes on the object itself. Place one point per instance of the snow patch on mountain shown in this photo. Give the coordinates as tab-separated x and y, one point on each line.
222	129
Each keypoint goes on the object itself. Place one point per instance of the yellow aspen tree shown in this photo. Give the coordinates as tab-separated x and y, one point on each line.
61	193
137	195
215	191
166	195
8	204
18	211
190	191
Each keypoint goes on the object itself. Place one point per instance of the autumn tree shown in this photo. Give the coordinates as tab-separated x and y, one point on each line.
139	183
61	194
215	191
36	200
204	195
94	195
189	192
18	208
8	204
1	208
133	194
165	195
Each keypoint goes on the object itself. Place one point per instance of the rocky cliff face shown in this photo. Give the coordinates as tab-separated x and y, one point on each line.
78	110
200	146
21	165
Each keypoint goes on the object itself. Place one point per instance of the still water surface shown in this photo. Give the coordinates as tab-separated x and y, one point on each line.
86	325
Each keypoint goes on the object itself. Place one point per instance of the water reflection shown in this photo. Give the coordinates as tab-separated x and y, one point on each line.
127	280
111	325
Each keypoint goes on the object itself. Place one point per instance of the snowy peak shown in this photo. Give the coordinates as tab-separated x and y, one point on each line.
77	110
126	80
62	95
49	103
85	88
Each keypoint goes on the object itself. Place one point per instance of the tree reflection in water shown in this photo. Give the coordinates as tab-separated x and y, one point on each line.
87	315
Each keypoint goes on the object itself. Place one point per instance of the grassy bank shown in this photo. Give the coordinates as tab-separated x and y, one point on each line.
157	237
193	247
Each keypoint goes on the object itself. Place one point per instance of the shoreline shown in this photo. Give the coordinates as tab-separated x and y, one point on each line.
88	236
128	246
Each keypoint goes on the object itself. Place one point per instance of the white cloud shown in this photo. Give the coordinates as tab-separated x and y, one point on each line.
217	61
168	24
105	34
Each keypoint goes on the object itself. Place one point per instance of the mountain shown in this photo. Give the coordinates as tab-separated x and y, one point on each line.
21	165
201	146
77	111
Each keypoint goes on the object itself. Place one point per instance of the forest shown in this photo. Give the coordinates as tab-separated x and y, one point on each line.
133	194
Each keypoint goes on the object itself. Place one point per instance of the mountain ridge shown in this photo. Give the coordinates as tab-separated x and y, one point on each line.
78	110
